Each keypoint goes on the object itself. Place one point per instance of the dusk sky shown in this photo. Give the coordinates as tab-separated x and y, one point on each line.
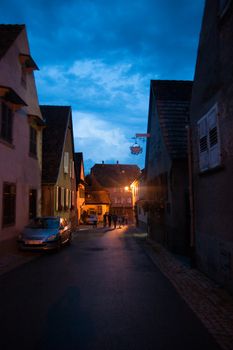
99	57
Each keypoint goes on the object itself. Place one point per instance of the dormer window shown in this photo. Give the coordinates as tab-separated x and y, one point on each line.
28	65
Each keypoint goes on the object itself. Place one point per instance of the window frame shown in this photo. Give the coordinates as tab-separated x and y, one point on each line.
8	115
12	205
32	141
209	154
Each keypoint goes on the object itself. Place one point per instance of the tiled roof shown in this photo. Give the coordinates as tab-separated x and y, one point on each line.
173	99
97	197
78	163
8	34
56	119
115	175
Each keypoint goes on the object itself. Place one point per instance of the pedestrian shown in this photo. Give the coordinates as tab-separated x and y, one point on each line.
95	222
109	220
119	221
114	219
123	220
105	219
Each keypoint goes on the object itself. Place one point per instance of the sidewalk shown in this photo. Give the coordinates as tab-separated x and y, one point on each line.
11	256
212	304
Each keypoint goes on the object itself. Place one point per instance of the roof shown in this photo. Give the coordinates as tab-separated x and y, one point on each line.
173	98
56	119
78	163
115	175
8	34
97	197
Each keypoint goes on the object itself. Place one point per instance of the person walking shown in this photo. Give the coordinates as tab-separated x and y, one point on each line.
114	219
105	219
109	220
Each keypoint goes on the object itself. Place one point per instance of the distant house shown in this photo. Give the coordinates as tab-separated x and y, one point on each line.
97	202
116	179
167	163
21	126
58	173
80	183
212	135
139	196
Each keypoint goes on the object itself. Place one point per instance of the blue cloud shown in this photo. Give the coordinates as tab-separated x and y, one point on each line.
99	56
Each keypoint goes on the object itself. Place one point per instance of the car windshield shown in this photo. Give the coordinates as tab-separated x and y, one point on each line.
44	223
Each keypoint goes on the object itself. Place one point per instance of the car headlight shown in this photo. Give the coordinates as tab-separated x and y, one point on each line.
52	238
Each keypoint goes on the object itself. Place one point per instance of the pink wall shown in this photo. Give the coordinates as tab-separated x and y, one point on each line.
16	165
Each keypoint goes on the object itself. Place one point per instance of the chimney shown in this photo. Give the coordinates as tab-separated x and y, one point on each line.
117	161
102	161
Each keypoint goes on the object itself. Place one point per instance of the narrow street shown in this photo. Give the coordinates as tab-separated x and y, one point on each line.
102	292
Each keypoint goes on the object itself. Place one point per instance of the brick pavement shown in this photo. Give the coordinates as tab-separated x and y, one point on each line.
211	303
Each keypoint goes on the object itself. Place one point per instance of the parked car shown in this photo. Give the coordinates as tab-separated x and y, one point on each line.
45	233
91	219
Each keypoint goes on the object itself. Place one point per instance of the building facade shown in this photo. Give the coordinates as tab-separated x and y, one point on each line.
166	167
80	183
212	142
58	171
21	127
139	195
116	179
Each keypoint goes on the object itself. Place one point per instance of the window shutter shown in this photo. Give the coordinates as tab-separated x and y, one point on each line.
62	197
56	198
72	198
67	198
66	162
72	169
214	149
203	144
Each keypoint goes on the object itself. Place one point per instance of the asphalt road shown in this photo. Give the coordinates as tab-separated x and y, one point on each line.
103	292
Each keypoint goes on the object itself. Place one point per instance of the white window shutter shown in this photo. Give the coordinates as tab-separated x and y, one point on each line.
213	135
56	197
66	162
203	144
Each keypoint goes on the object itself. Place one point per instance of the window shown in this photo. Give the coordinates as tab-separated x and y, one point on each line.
33	141
32	204
209	145
99	209
23	77
6	119
129	201
9	200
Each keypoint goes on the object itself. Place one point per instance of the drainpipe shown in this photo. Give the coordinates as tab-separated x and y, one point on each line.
191	196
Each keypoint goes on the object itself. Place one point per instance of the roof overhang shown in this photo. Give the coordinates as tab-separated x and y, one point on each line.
9	95
28	62
36	119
